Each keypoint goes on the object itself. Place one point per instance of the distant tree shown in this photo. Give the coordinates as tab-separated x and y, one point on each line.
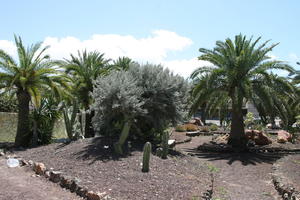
240	68
84	69
122	63
33	73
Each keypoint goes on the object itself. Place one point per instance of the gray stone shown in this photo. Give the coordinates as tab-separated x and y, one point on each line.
55	176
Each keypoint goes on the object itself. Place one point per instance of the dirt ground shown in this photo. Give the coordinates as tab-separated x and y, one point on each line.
20	184
236	176
178	177
242	176
289	170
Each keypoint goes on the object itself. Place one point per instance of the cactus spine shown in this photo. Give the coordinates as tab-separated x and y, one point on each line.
165	145
146	157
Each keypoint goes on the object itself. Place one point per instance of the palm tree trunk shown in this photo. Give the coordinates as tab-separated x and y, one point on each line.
89	131
23	129
237	133
203	113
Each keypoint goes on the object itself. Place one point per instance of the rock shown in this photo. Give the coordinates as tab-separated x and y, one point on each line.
74	185
24	162
198	121
95	196
283	136
171	143
159	151
81	191
47	174
258	137
269	126
261	139
39	168
66	182
2	153
55	176
30	162
249	134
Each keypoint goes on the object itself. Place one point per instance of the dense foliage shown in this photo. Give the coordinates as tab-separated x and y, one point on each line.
148	96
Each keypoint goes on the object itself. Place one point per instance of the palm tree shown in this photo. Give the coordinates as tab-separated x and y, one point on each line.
28	77
122	63
240	68
85	68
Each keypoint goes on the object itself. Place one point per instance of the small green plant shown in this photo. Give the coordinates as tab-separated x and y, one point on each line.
146	157
180	128
213	127
165	145
212	168
249	119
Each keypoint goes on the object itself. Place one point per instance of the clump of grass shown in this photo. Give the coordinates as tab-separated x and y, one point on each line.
204	129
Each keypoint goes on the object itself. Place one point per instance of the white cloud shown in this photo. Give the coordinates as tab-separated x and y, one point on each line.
185	67
9	47
153	49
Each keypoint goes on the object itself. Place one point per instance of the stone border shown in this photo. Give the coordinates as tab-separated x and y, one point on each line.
184	141
67	182
286	190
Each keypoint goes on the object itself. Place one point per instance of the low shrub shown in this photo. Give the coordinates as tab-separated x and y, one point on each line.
191	127
213	127
180	128
204	129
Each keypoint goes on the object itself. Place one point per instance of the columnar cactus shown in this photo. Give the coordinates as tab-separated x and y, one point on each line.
165	145
146	157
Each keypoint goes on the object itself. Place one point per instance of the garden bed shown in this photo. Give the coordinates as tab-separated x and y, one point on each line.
178	177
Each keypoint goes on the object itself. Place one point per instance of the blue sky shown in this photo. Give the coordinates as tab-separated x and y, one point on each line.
164	31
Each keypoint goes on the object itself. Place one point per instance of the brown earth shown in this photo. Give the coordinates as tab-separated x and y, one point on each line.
21	184
288	169
178	177
237	176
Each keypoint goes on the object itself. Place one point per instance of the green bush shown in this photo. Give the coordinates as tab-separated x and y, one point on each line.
213	127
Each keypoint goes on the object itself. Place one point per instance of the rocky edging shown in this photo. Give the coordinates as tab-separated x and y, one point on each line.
284	188
67	182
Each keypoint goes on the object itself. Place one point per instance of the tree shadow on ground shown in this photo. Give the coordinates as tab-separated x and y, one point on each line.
101	149
253	156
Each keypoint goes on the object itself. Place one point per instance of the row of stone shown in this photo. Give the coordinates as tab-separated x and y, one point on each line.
72	184
287	191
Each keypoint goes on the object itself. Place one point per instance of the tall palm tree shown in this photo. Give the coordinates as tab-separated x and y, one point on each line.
28	77
85	68
240	68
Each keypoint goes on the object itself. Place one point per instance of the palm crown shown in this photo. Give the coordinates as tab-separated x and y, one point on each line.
28	77
240	70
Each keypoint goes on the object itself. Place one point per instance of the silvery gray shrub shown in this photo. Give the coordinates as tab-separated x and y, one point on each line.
150	96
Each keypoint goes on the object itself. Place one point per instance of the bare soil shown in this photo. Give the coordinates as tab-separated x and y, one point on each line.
20	183
289	170
241	176
178	177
